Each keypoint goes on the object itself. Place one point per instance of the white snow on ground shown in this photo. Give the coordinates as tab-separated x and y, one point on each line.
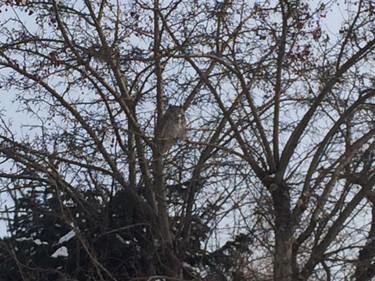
60	252
67	237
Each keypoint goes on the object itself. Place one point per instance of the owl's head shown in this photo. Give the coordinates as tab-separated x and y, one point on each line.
175	112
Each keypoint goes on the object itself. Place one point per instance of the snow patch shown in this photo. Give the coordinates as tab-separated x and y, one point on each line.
36	241
67	237
60	252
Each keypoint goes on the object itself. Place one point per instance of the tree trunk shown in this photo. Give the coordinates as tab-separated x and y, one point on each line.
283	255
283	233
365	267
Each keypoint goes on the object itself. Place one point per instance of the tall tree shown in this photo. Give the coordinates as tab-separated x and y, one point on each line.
274	181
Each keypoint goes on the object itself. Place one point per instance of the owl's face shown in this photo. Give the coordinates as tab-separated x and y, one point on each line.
175	113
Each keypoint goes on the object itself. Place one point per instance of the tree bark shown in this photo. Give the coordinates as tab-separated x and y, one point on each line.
283	233
365	266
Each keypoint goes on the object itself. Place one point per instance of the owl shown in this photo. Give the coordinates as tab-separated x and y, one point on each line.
173	127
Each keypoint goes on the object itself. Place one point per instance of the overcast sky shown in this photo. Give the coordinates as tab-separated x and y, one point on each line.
11	110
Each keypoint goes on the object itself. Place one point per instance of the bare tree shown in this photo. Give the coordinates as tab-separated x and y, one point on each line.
274	181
